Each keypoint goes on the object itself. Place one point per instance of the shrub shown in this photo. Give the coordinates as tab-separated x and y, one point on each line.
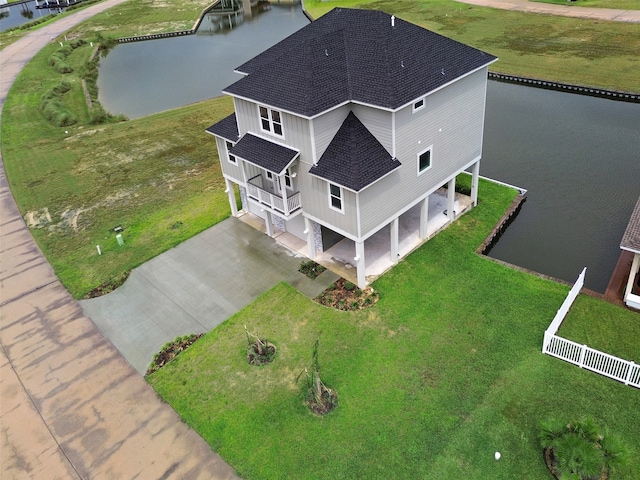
349	286
311	269
579	450
63	67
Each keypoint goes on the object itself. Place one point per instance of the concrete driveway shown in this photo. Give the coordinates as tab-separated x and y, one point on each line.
194	287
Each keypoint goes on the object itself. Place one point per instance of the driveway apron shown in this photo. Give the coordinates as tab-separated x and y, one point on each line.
194	287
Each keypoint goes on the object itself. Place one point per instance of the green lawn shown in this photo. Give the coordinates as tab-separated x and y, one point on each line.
445	370
572	50
158	177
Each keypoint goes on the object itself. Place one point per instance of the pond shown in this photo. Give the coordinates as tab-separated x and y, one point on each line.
577	156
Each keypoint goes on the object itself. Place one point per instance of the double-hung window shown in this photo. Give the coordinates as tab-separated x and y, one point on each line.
424	160
335	198
271	121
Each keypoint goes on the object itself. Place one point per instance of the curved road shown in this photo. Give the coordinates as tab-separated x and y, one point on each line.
70	405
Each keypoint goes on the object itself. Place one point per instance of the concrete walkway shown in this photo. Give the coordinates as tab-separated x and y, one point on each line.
632	16
194	287
71	407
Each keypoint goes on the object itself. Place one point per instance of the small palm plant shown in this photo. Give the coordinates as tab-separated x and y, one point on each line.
320	398
578	451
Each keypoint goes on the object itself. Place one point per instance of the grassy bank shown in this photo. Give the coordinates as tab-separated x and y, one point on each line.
572	50
445	370
158	177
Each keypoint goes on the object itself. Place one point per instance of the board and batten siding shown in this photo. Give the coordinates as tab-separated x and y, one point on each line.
452	122
296	129
231	171
378	122
315	203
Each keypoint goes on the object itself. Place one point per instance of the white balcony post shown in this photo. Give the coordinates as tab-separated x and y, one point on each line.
424	218
394	240
232	197
283	189
269	223
360	268
451	199
474	182
311	244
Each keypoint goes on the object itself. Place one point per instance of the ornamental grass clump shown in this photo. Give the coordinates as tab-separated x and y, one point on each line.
579	451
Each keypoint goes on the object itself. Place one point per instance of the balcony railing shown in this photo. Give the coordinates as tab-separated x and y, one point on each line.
268	197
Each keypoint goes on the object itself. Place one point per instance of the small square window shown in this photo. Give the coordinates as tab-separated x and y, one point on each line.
424	160
232	158
418	105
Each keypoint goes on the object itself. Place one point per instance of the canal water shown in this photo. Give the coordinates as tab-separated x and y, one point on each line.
151	76
578	156
14	15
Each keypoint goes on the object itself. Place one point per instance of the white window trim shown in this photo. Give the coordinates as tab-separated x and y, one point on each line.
415	109
229	155
341	209
429	149
270	119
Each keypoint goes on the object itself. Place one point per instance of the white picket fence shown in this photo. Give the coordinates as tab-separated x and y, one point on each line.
583	356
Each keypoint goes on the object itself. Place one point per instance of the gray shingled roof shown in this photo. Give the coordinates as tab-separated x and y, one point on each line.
631	237
264	154
354	55
226	128
354	158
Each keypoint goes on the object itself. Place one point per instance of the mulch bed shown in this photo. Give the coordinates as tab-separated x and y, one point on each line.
328	403
171	350
256	357
344	295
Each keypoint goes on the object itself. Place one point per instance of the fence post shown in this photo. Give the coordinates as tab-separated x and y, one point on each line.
582	351
545	342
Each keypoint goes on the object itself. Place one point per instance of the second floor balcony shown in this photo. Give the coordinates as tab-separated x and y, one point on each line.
263	191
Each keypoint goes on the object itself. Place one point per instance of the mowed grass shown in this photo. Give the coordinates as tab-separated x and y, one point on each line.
445	370
596	324
573	50
158	177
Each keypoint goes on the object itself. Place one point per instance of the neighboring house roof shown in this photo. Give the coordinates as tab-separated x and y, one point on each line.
226	128
631	237
354	55
355	158
265	154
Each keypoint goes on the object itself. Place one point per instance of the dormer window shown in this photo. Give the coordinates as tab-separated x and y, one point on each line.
271	121
232	158
418	105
